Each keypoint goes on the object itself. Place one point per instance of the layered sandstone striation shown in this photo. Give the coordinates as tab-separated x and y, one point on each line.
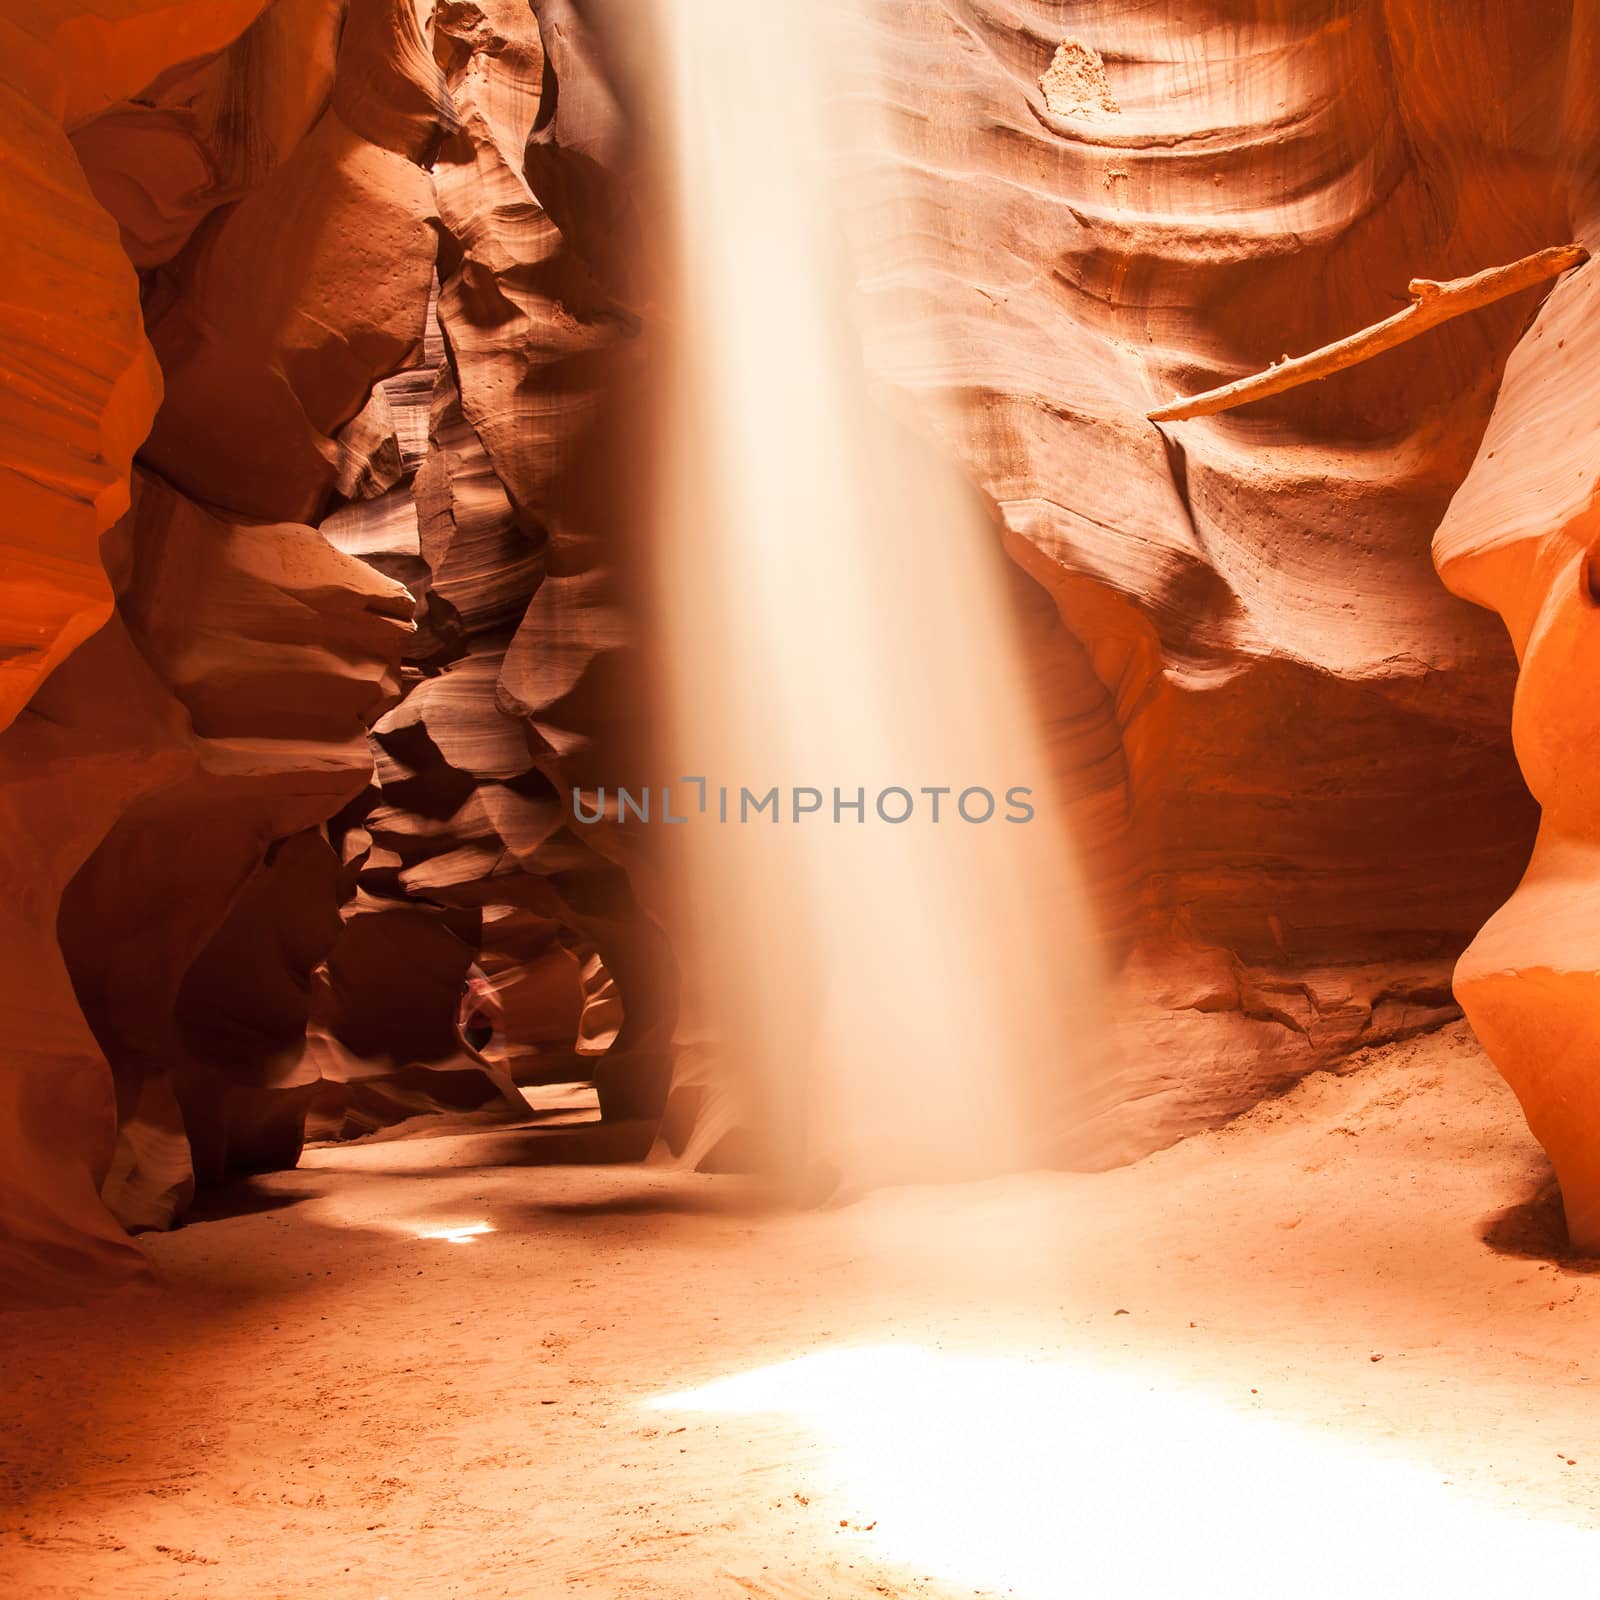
80	386
298	699
517	681
1521	537
325	734
262	209
1288	742
80	389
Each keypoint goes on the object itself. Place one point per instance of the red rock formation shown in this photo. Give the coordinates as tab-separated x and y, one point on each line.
421	850
80	386
541	292
1303	803
1285	746
286	228
99	733
1520	537
282	651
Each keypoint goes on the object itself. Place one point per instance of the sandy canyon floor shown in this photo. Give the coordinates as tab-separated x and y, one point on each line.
1331	1349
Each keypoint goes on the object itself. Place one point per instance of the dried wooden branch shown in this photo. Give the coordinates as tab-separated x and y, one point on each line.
1431	304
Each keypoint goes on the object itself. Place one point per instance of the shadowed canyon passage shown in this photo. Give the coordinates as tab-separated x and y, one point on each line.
433	431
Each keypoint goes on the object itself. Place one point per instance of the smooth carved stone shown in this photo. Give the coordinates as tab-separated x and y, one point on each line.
242	1011
369	452
78	387
263	630
275	652
100	733
1519	538
390	89
1284	748
458	710
1299	744
279	203
486	567
202	134
146	165
80	56
536	978
78	384
274	324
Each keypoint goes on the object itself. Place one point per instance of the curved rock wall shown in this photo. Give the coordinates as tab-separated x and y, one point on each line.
80	386
1522	537
1305	803
80	389
275	199
1285	746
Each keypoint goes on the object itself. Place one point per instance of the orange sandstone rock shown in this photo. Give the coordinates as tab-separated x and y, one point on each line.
1283	745
78	384
1520	538
1295	799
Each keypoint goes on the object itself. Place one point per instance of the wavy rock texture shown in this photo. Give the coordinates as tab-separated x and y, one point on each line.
180	926
540	306
281	651
461	842
98	734
224	706
79	388
1521	536
1285	745
79	384
421	852
1301	802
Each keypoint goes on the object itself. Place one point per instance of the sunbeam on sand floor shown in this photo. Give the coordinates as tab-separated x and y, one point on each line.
1328	1350
1046	1479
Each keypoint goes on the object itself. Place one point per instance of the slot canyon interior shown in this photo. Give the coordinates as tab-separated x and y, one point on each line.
801	799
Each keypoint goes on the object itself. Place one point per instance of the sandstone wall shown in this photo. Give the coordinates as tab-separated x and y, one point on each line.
1297	801
293	700
1521	536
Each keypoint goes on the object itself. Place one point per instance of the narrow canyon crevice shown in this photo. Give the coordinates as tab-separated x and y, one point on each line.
515	515
377	613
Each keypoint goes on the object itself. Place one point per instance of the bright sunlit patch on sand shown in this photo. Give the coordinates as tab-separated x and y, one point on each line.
457	1233
1049	1480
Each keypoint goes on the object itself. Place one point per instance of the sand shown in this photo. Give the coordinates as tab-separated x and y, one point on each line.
1326	1350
